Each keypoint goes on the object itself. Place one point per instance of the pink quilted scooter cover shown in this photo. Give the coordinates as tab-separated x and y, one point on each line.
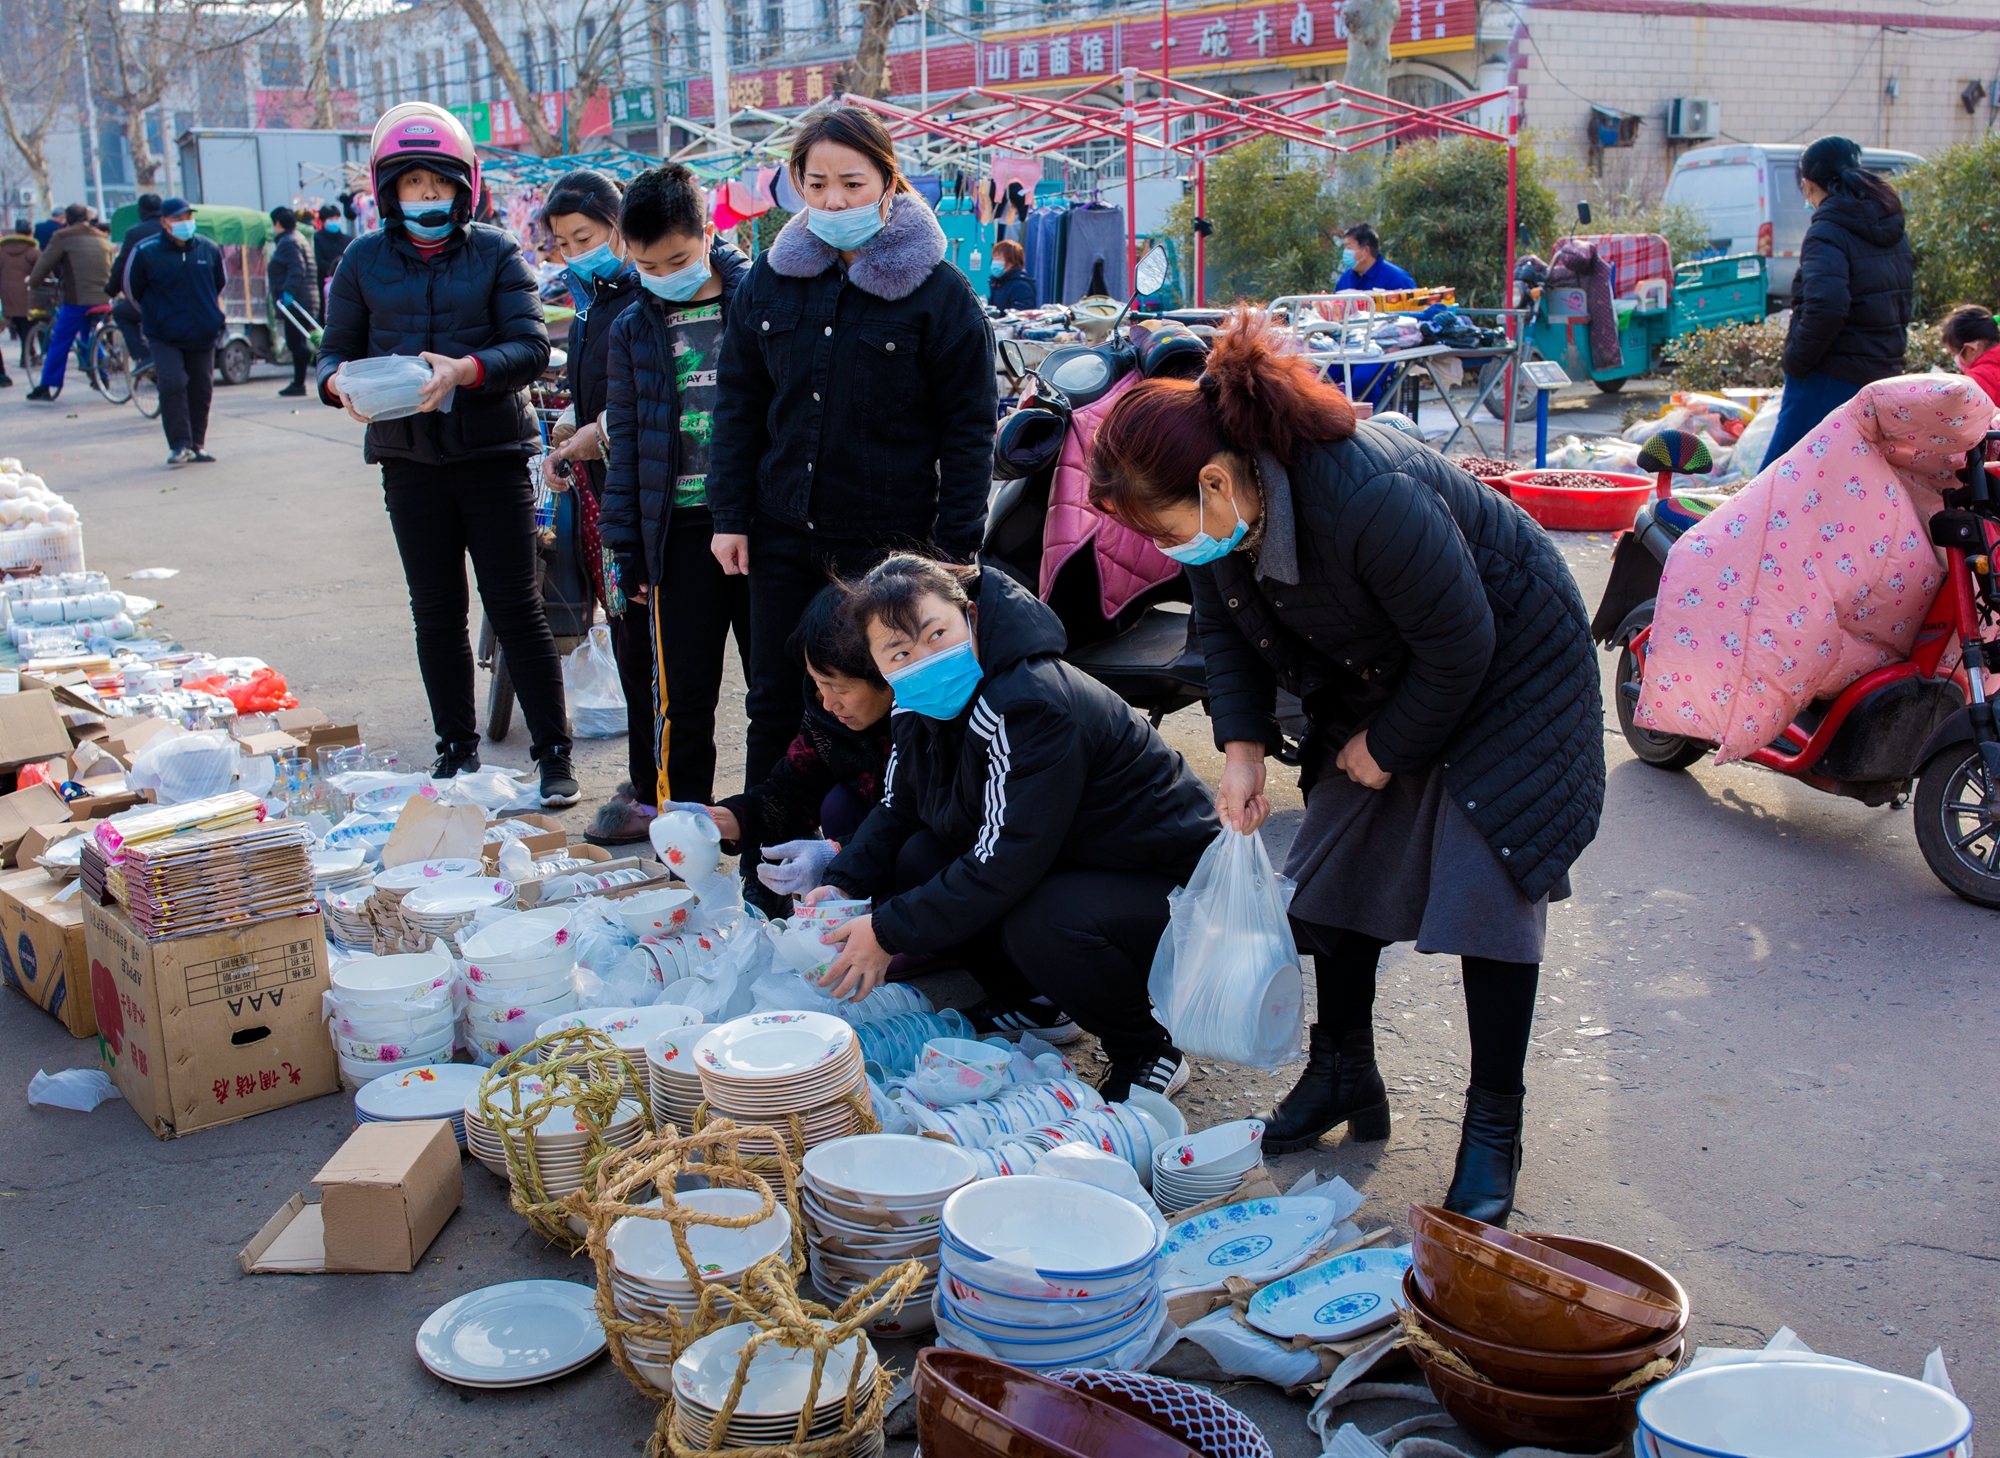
1127	563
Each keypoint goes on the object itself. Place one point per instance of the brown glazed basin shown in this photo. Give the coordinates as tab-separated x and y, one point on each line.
1517	1290
1506	1417
1573	1373
974	1407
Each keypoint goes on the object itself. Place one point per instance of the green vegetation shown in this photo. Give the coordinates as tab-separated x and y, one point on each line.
1952	206
1277	229
1441	209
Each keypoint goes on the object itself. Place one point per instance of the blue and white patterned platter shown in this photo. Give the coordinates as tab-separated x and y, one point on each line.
1335	1299
1256	1239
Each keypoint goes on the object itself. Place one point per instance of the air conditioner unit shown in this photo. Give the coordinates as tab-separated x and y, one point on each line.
1694	118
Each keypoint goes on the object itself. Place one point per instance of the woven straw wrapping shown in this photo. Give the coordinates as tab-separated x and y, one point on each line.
582	1070
1415	1335
767	1296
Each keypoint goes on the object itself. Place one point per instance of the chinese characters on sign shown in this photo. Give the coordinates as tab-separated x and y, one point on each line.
246	1084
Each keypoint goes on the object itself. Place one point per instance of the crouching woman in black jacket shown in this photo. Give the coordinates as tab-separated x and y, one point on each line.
1455	767
1031	820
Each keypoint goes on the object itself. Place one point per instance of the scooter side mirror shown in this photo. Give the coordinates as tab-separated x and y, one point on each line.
1013	361
1151	273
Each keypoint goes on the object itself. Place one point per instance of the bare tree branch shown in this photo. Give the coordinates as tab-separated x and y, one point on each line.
50	72
525	105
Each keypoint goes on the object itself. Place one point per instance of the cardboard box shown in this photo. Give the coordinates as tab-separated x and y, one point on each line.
384	1196
41	837
31	727
23	810
126	737
205	1030
547	838
271	741
42	947
97	805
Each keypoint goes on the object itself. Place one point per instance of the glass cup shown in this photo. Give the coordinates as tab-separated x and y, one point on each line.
383	760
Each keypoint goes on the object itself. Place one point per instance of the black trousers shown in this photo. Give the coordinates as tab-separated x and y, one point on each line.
484	506
632	646
187	385
300	348
695	609
125	314
788	567
1084	939
18	325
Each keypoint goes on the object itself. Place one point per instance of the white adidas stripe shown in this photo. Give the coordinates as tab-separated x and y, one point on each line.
992	728
889	778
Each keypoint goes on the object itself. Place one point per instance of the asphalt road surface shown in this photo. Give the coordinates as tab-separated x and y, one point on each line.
1764	1057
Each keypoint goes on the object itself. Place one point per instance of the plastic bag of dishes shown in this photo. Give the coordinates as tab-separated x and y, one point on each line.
1107	1171
1226	978
783	991
591	690
183	767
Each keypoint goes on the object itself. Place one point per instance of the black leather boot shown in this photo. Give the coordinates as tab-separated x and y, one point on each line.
1340	1085
1489	1157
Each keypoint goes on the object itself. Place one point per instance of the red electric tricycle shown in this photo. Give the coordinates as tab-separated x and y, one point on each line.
1903	724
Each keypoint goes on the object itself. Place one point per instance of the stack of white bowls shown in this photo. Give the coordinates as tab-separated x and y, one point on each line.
648	1277
562	1138
1047	1273
1197	1168
762	1068
630	1028
437	909
380	1019
430	1091
518	973
676	1086
872	1202
775	1390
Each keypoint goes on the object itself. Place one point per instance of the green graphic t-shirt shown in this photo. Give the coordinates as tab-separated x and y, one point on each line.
694	334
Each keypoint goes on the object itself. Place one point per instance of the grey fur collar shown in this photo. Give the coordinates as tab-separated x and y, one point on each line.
1278	558
891	265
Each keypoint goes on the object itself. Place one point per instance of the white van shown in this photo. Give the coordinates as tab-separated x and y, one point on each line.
1750	196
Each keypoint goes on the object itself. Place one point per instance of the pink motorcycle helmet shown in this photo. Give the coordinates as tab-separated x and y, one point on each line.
418	134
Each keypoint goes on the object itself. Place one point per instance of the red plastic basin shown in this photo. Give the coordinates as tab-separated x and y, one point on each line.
1606	508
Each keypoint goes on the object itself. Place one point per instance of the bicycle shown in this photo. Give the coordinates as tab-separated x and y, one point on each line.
145	391
106	363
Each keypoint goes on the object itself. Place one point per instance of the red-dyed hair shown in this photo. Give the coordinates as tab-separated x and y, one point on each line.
1257	394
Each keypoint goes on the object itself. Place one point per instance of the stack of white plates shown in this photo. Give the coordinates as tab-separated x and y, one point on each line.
518	974
775	1390
439	908
676	1086
872	1202
1197	1168
631	1028
348	921
648	1277
761	1068
562	1139
432	1091
512	1335
339	870
1046	1273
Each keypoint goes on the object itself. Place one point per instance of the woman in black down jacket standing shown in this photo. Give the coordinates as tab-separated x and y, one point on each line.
459	296
855	401
1455	767
1851	295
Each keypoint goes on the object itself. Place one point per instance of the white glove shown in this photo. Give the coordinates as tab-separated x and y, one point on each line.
693	807
800	865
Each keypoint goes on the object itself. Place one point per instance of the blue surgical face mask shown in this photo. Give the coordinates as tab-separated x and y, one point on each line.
599	262
1201	548
1347	258
429	232
680	285
940	686
996	268
332	225
847	228
182	230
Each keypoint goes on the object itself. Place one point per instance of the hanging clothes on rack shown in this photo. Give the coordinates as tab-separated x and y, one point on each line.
1093	253
1042	238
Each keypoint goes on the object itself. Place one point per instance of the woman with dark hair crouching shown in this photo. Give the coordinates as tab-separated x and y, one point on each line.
1455	766
1032	824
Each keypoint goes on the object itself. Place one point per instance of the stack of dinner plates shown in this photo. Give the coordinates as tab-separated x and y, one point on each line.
1197	1168
761	1068
436	910
562	1138
676	1086
775	1391
434	1091
630	1028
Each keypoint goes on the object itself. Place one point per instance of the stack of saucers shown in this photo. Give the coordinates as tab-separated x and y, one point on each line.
433	1091
338	870
676	1086
761	1068
347	920
631	1028
775	1390
518	974
872	1202
1092	1297
562	1139
648	1276
437	909
1197	1168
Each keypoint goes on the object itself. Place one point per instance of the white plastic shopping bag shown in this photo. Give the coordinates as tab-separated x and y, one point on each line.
1226	978
590	686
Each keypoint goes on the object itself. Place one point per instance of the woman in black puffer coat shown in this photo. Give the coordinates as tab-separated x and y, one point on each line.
1852	293
1455	767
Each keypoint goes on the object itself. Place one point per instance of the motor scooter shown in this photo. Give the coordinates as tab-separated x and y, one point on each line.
1904	724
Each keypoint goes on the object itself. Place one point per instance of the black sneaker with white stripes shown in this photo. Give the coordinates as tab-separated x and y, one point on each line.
1165	1073
1047	1022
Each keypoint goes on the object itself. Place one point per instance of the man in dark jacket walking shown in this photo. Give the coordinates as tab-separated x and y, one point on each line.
177	279
288	280
1852	293
124	312
83	254
330	240
662	404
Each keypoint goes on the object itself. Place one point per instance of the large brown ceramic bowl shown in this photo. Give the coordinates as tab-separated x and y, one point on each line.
1505	1417
979	1408
1574	1373
1520	1291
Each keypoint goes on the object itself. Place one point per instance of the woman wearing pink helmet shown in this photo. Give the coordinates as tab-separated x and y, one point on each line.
433	284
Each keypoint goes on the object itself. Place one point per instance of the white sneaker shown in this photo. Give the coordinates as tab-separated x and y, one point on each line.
1166	1073
181	457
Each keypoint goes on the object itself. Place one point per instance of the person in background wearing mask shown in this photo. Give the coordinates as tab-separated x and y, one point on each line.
1852	293
662	408
124	312
289	279
433	285
855	400
1972	334
176	278
1364	267
17	260
581	215
330	240
1012	288
84	255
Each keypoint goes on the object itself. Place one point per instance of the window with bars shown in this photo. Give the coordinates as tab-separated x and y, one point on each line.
375	88
423	77
395	81
774	27
554	52
739	37
829	19
530	77
475	65
437	70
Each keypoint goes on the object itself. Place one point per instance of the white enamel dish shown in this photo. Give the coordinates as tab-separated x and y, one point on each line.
1798	1409
1335	1299
512	1334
